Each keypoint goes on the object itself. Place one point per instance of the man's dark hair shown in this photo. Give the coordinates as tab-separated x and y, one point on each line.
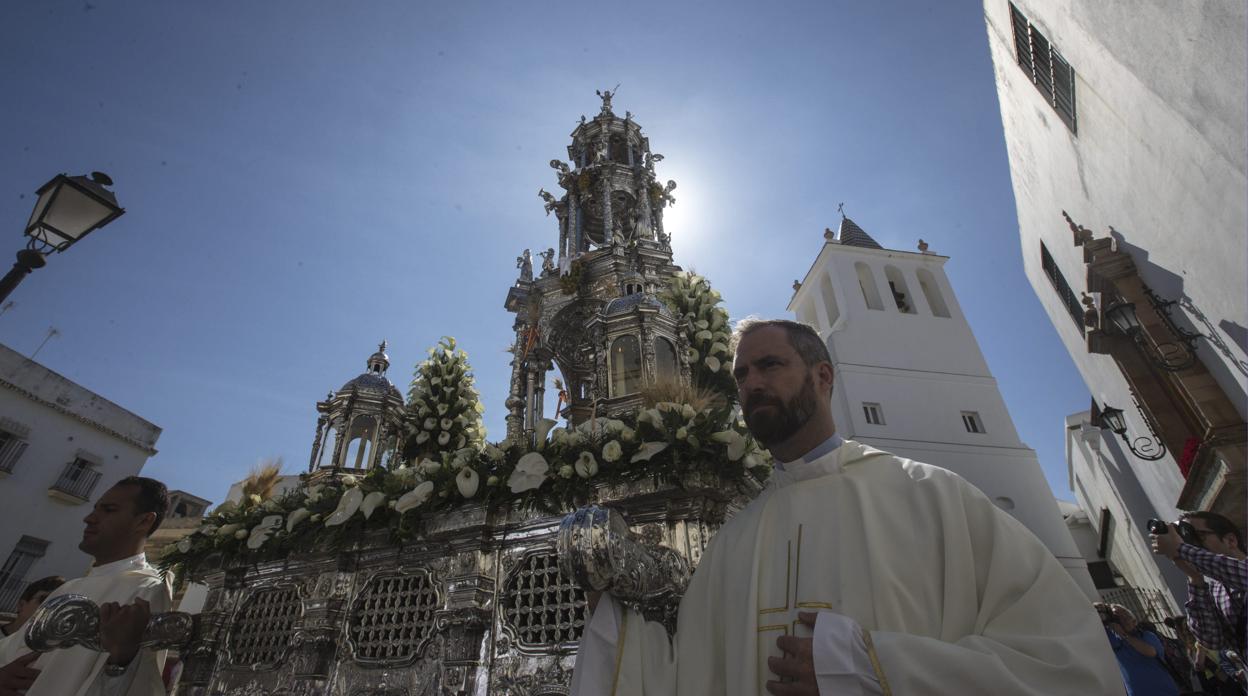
804	339
1217	524
152	497
42	585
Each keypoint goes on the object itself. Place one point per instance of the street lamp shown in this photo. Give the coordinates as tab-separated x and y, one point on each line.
1112	418
68	209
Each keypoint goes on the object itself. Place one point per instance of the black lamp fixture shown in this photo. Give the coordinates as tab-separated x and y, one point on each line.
1150	449
68	208
1171	356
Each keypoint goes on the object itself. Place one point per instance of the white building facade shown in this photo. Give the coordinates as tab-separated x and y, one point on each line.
911	379
1125	128
61	446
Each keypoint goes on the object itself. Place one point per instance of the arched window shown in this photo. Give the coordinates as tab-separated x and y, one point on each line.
901	293
829	299
866	281
360	442
664	359
625	366
329	445
931	291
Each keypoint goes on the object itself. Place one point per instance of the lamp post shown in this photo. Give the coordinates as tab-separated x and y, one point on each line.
1112	418
68	209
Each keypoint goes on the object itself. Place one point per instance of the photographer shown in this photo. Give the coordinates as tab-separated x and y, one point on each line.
1212	555
1139	653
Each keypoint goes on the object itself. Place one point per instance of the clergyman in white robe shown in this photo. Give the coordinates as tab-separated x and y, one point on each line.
78	671
921	584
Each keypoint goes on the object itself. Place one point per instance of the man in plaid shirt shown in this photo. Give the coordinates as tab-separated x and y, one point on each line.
1217	573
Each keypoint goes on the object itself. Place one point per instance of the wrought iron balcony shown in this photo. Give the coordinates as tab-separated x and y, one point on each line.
76	482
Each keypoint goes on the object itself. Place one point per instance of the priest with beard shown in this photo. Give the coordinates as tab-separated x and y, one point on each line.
853	572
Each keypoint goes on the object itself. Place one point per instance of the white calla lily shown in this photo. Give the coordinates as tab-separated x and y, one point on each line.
261	532
541	429
444	437
468	481
294	518
736	443
228	529
371	501
430	423
348	505
415	497
530	473
648	450
184	544
586	465
422	437
429	467
712	362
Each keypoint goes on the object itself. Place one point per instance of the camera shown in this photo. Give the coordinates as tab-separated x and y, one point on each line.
1186	531
1106	613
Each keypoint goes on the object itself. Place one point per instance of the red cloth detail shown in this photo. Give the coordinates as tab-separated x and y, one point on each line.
1190	448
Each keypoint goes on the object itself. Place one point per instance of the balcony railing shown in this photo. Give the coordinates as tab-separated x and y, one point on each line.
10	591
1147	605
77	481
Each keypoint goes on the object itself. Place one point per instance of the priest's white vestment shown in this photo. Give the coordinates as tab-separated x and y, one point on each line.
953	596
78	671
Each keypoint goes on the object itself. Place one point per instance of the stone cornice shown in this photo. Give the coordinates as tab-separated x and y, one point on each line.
147	449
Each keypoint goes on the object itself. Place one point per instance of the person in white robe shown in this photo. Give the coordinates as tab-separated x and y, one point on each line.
854	572
127	589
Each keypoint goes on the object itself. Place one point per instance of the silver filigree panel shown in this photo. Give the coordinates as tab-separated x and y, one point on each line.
543	608
261	633
393	618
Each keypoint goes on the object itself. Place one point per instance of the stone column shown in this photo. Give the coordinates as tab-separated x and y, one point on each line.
515	400
316	443
647	217
562	214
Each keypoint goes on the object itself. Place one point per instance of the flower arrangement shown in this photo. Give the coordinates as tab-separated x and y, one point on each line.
445	410
669	442
691	297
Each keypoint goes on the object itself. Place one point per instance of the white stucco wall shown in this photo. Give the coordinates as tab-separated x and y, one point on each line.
924	371
62	421
1105	476
1159	156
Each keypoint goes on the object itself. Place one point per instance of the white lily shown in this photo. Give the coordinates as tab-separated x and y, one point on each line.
493	453
612	451
687	412
415	497
430	423
736	443
719	348
349	481
566	471
429	467
704	335
468	481
446	423
712	362
371	501
682	433
261	532
422	437
586	465
294	518
228	529
444	437
541	429
530	472
314	493
648	450
184	544
348	505
752	461
442	408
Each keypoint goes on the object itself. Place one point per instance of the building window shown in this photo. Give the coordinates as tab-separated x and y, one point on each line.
1073	308
901	293
11	449
13	572
78	479
1049	72
971	420
873	413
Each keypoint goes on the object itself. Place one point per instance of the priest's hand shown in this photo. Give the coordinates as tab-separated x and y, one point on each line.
797	668
18	676
121	629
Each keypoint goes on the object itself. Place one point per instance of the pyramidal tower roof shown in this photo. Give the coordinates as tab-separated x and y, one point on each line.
853	235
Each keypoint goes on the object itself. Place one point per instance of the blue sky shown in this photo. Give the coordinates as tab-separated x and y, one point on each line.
304	179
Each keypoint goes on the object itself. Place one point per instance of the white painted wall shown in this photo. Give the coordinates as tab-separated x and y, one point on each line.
1160	156
924	371
61	420
1104	476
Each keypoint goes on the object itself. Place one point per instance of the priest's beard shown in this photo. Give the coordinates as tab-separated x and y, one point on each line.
784	419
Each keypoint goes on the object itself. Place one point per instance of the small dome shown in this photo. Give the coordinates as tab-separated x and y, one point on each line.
623	305
374	380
